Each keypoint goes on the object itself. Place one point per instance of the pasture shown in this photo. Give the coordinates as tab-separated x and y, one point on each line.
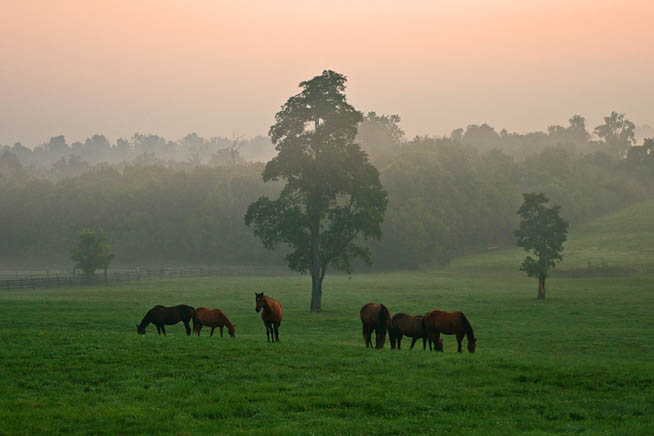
579	362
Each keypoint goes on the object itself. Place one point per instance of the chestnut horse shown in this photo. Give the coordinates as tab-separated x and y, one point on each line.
449	323
375	317
162	315
411	326
271	315
212	318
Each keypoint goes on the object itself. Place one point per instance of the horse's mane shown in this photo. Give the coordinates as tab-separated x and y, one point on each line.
467	327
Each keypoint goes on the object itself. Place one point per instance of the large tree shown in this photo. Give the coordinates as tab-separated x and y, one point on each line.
332	195
542	232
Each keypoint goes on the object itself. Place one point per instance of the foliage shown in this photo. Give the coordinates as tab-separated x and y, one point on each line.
332	194
542	232
91	252
445	197
617	132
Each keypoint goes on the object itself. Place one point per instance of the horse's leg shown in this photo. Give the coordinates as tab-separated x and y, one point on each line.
413	342
424	343
221	331
158	329
198	329
268	331
433	337
188	328
365	336
163	329
276	332
399	342
212	329
459	339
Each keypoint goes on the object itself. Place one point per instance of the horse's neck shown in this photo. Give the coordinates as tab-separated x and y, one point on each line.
470	334
223	319
145	321
267	307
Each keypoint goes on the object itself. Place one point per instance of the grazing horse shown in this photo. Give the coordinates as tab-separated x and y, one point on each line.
411	326
162	315
449	323
375	317
212	318
271	315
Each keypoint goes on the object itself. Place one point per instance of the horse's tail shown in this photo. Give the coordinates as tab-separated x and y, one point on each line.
384	316
194	317
467	327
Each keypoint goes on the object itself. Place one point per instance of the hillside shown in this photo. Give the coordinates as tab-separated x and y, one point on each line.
621	243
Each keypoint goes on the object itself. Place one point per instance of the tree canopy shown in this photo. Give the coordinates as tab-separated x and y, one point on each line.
91	252
542	232
332	194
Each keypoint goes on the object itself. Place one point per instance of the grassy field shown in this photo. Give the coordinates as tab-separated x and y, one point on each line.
618	244
579	362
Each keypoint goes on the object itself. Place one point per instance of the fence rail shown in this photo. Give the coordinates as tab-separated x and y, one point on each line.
54	280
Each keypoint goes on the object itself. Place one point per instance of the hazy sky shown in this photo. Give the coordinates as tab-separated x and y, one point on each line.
215	67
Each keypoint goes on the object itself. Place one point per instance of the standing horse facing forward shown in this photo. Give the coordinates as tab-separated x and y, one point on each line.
411	326
375	317
449	323
162	315
212	318
271	315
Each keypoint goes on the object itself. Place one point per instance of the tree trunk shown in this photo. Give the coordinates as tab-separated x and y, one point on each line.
541	287
316	281
316	292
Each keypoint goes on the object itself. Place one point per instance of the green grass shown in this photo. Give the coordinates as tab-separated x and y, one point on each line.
578	362
621	243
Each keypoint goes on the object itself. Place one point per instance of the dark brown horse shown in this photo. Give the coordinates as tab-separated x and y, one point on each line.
271	315
411	326
449	323
375	317
162	315
212	318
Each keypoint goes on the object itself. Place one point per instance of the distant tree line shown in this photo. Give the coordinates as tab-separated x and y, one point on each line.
446	195
56	159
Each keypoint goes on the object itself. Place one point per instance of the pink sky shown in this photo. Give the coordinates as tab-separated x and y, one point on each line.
216	67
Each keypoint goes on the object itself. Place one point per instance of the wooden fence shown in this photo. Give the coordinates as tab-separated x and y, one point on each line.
54	280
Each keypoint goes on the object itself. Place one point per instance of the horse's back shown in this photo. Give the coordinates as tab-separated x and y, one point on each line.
445	322
206	316
275	314
369	312
375	314
408	325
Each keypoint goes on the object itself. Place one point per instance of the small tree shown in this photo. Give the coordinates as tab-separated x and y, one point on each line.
332	194
543	232
91	252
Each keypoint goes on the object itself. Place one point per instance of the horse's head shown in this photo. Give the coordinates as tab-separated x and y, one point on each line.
140	330
472	343
439	344
259	299
380	338
231	330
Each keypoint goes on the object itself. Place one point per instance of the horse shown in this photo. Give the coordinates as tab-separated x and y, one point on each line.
162	315
212	318
449	323
411	326
375	317
271	315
